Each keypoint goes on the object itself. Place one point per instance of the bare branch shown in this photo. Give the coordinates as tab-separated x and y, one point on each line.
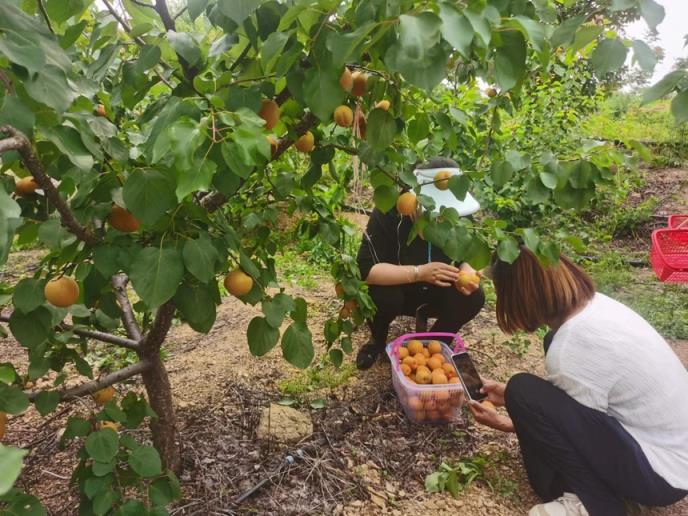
91	334
119	283
33	165
151	343
11	144
216	199
181	11
101	383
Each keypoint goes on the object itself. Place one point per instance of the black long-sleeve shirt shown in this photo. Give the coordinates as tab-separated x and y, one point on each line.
384	241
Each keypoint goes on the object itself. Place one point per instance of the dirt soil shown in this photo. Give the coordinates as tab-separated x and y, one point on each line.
363	458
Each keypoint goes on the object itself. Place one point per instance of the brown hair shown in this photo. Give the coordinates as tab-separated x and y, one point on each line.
530	294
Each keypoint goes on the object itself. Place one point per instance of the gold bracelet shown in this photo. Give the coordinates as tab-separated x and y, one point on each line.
416	271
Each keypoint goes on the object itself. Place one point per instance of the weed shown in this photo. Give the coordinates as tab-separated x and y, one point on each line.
323	375
455	478
518	343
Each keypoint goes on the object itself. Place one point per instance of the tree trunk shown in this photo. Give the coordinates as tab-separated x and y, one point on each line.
157	384
165	427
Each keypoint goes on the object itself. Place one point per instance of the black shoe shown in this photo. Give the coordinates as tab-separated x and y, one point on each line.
367	356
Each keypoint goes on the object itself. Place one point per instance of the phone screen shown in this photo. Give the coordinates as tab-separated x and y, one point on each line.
469	376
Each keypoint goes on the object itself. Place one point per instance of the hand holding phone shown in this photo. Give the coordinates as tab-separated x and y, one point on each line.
470	379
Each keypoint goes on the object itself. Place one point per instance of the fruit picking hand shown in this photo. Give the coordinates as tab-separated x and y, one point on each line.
494	391
468	288
438	273
488	416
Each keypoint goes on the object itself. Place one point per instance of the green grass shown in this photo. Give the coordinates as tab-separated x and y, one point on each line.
323	375
663	305
296	269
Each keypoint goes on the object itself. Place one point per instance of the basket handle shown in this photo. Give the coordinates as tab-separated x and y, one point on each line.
396	344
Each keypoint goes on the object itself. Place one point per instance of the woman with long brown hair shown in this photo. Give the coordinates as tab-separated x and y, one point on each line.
609	423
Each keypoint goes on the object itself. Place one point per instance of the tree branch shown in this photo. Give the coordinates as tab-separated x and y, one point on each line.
138	40
96	385
151	343
20	143
91	334
45	15
119	283
216	199
164	13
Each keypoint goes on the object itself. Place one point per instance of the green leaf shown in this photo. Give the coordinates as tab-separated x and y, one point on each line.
508	250
620	5
31	329
480	24
517	160
103	502
62	10
549	180
418	54
609	56
510	60
184	45
531	29
276	308
10	466
46	402
652	12
22	51
381	129
459	185
322	92
565	33
102	445
344	46
131	508
297	345
94	485
456	29
69	142
261	336
200	257
586	35
385	197
28	294
664	86
271	50
156	274
146	461
54	235
196	178
536	191
50	87
148	194
644	55
161	492
432	482
12	399
76	427
531	239
336	357
7	373
148	58
197	306
679	107
16	113
196	8
238	10
501	173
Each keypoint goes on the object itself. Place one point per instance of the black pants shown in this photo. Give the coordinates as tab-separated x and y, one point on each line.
569	447
451	308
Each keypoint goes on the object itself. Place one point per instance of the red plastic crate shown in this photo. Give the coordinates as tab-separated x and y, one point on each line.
669	254
676	221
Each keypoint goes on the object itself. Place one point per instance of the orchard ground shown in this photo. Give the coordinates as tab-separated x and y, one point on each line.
364	457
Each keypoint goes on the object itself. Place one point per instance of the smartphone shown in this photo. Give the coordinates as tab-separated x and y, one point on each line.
470	379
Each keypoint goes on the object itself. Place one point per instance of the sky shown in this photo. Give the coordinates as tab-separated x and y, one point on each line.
672	31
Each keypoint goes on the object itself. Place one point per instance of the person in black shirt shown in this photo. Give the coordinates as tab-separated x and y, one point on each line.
402	277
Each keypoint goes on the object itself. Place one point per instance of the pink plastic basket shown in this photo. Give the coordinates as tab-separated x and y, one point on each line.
678	221
669	254
436	404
